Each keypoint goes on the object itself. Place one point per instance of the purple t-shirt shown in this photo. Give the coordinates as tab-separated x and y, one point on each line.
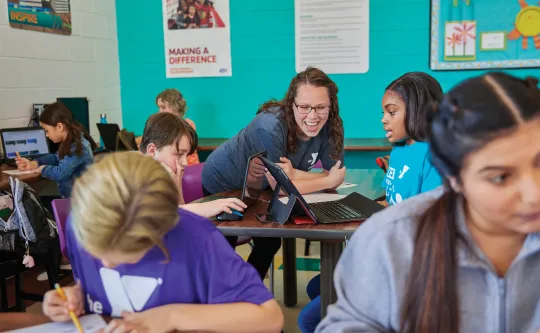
203	269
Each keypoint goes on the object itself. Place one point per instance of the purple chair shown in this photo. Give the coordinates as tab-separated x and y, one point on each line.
61	208
192	182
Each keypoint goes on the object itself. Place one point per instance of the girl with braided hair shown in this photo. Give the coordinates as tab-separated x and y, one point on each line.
465	257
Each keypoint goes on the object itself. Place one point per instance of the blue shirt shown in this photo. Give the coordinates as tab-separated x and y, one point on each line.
225	168
410	172
203	269
64	171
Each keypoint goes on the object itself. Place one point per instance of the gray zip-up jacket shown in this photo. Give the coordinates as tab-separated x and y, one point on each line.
370	278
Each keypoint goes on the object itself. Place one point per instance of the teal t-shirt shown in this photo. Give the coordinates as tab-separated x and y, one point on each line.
409	173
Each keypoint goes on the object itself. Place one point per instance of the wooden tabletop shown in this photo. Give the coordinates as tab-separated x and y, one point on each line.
368	183
368	144
4	177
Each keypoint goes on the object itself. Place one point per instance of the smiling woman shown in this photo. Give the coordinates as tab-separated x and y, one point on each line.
297	131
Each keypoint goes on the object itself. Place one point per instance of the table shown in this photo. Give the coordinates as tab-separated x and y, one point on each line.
4	177
369	144
331	236
17	320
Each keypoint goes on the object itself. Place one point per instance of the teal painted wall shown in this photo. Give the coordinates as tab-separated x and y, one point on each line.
262	36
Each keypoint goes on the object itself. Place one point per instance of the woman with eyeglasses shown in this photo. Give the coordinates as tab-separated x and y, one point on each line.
297	131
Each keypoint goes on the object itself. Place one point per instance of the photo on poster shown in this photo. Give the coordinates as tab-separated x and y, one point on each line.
193	14
197	38
49	16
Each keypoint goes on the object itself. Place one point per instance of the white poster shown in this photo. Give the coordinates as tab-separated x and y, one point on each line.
332	35
197	38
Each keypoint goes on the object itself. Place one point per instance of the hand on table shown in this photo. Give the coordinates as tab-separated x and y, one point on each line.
336	175
213	208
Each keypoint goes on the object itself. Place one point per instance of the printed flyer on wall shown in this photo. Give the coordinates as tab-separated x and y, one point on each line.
50	16
332	35
197	38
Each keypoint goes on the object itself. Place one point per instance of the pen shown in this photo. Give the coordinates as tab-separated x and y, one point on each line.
71	313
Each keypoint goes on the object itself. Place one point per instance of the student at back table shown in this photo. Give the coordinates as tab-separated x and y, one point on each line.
172	101
74	154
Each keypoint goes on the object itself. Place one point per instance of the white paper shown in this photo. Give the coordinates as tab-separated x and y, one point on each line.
332	35
493	40
317	197
346	185
18	173
90	323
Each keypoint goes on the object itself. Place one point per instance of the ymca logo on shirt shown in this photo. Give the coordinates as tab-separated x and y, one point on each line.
124	293
392	196
313	160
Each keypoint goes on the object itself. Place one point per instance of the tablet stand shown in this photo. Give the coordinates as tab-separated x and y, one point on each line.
280	211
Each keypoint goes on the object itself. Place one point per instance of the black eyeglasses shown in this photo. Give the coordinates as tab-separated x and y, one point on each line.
306	109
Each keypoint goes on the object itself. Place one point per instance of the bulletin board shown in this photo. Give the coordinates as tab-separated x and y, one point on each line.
482	34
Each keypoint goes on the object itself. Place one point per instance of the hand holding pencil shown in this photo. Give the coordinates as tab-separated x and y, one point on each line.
64	304
24	164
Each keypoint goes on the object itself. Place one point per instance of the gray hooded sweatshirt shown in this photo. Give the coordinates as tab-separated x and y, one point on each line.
370	278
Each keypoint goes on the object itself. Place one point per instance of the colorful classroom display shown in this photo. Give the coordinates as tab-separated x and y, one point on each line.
480	34
50	16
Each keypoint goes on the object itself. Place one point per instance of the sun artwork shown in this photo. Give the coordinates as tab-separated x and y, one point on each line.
527	25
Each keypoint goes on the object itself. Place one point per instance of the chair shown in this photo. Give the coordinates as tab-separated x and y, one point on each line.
61	208
192	182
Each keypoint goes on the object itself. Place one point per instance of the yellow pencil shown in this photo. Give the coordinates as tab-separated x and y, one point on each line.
19	156
71	313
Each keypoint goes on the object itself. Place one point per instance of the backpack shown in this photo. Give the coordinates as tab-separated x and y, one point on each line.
35	224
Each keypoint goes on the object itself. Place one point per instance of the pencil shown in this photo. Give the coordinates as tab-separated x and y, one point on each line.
71	313
19	156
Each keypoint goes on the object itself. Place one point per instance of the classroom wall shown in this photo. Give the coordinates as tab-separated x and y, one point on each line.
262	34
37	67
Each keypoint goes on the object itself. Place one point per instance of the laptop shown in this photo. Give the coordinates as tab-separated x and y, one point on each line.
29	142
353	208
108	133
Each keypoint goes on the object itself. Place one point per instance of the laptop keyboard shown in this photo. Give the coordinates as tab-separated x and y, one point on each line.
336	210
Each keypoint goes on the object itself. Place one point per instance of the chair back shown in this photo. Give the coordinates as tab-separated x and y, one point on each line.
192	182
61	208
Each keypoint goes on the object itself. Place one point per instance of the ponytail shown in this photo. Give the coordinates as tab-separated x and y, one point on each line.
431	300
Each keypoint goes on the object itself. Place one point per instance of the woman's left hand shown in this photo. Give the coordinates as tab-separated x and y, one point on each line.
287	167
156	320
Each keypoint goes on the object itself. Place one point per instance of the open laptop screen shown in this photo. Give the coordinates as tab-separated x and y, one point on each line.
27	141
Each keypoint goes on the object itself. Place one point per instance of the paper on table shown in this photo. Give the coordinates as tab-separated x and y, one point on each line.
17	172
346	185
91	324
317	197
